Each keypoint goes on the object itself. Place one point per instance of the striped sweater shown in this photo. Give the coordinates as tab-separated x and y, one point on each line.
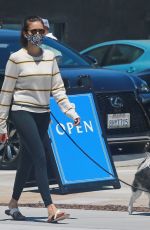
28	83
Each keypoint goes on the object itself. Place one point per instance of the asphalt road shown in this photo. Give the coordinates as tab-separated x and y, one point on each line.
79	219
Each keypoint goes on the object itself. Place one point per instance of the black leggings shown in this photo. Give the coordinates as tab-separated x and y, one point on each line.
32	128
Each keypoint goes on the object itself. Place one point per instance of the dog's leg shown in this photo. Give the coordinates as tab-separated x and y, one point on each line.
133	198
148	194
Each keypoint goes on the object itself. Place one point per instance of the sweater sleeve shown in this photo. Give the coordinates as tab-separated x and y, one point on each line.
11	75
59	93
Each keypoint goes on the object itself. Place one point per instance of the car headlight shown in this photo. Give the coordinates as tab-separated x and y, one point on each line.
143	87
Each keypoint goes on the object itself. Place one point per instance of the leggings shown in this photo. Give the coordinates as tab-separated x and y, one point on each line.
32	128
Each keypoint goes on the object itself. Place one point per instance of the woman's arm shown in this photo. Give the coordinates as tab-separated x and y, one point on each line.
59	94
11	75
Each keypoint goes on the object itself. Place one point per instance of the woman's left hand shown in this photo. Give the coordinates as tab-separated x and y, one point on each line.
77	121
3	137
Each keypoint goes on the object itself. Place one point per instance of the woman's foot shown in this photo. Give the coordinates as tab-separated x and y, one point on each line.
13	210
55	214
51	209
13	204
15	214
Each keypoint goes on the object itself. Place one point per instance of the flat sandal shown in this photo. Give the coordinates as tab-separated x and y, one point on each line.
54	218
15	214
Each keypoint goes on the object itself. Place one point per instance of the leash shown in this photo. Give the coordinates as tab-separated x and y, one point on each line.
91	159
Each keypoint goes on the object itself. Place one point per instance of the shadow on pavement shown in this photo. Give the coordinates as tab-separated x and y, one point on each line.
141	214
39	219
57	190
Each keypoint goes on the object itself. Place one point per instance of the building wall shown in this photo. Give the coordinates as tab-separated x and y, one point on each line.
85	22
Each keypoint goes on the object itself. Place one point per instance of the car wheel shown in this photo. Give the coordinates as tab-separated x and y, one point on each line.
9	152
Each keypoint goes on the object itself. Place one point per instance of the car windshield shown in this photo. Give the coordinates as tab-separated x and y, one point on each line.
66	57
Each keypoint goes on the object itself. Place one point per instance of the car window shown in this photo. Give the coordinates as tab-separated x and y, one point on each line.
123	54
100	53
62	58
57	53
65	56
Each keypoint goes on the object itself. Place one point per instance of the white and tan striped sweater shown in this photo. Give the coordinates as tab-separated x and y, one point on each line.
28	83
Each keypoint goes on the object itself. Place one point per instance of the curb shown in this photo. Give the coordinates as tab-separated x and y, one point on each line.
128	160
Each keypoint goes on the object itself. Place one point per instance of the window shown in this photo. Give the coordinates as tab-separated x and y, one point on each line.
65	57
100	53
58	29
123	54
10	23
11	26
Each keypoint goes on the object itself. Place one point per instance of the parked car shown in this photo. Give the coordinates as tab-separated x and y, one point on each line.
144	75
123	100
126	55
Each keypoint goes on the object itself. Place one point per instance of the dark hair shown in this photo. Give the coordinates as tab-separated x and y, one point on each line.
25	26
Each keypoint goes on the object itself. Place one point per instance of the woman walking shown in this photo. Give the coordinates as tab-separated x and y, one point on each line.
31	75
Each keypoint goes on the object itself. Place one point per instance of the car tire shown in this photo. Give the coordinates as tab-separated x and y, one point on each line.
9	152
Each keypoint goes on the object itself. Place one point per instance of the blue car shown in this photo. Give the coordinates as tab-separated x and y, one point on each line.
119	96
131	56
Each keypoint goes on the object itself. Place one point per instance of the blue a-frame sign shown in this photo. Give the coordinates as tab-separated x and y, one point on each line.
75	170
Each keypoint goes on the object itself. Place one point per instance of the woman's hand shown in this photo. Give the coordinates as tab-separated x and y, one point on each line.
77	121
3	137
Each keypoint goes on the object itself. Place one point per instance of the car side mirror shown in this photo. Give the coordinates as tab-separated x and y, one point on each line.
131	69
91	59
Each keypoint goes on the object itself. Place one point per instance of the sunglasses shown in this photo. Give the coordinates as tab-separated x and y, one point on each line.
35	31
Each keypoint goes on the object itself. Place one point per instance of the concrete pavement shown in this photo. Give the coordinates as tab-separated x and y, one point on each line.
110	199
107	208
79	220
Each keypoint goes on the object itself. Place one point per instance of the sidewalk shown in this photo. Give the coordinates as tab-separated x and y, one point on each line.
79	220
110	199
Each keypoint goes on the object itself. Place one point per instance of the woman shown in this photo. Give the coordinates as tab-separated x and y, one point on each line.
31	75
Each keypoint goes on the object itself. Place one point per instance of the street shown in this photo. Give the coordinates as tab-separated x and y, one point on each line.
79	219
125	166
104	200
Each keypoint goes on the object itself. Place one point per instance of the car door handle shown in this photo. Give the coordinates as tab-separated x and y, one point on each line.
131	69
